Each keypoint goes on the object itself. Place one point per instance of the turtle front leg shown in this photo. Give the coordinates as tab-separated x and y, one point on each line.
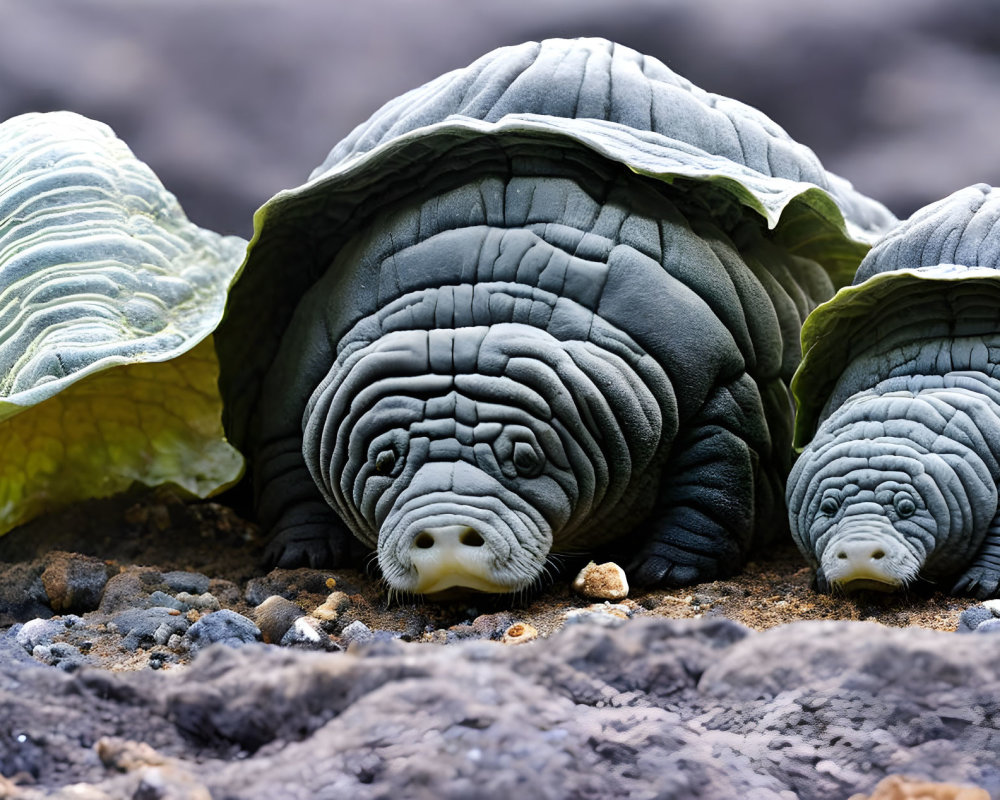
304	530
701	526
982	579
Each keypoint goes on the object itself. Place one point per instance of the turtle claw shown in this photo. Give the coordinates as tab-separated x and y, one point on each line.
308	545
660	569
981	582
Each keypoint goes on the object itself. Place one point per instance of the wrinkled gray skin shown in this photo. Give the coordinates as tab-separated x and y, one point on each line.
523	402
900	482
536	352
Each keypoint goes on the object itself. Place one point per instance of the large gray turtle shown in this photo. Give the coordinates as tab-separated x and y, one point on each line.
527	309
899	392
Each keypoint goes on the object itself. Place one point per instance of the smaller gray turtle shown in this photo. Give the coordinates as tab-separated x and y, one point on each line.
900	381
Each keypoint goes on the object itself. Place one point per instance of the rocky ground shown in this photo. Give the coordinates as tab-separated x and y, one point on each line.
127	582
146	654
139	637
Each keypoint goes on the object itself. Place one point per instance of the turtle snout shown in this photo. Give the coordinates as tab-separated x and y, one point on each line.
861	554
451	555
868	557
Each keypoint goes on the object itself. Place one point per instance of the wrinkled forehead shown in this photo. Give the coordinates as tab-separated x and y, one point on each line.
865	466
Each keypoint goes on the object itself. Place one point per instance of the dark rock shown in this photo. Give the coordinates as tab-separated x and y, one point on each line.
190	582
128	589
74	583
222	627
275	616
22	596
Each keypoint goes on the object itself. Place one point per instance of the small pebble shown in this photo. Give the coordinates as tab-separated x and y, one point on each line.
275	616
305	632
225	627
518	633
356	633
332	607
164	600
602	582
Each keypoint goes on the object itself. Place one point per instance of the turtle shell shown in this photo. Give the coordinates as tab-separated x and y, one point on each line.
564	102
108	297
940	269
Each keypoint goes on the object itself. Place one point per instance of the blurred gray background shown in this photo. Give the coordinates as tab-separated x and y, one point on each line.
232	100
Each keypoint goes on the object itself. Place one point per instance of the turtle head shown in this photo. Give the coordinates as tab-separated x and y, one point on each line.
869	532
462	456
870	513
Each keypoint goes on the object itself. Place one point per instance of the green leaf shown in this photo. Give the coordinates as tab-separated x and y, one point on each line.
108	297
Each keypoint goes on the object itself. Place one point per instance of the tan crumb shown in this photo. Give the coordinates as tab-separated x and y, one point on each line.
602	582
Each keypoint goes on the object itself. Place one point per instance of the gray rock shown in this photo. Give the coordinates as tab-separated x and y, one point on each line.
191	582
143	627
972	617
654	708
222	627
128	589
164	600
989	626
356	633
60	654
38	632
203	602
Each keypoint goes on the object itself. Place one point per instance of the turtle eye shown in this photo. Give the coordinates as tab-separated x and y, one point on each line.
829	506
904	505
526	460
385	461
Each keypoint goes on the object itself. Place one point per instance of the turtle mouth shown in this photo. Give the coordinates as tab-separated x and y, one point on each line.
867	585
